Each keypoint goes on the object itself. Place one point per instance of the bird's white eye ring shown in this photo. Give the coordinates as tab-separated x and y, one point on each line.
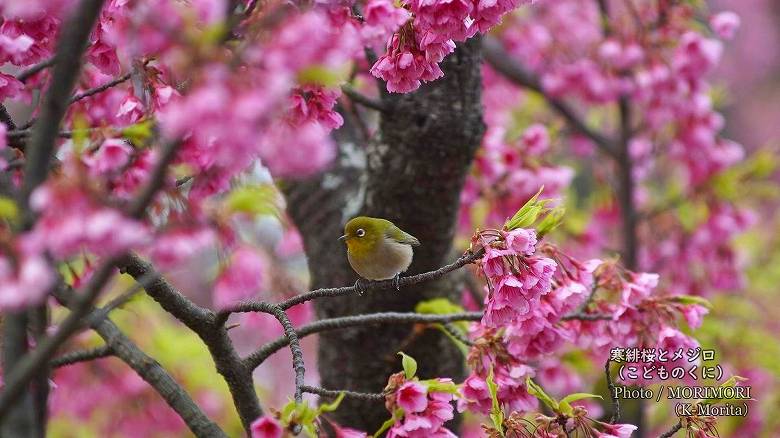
360	232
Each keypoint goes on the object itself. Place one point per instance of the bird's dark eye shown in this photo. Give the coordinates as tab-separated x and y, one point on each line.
360	232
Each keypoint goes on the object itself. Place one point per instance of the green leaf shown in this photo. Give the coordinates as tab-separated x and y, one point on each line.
692	214
690	299
539	393
550	222
523	213
496	414
323	76
287	411
441	306
409	364
332	406
387	424
565	403
437	306
8	209
257	200
437	386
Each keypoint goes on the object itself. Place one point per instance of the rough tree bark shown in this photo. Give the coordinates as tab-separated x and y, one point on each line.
413	175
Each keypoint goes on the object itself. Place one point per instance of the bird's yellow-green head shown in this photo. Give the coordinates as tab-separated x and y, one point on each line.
362	234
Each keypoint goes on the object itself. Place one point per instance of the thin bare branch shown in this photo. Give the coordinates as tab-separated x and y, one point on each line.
333	394
361	99
578	316
101	88
82	356
255	359
28	73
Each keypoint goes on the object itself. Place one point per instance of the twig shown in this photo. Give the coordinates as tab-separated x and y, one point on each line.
6	118
615	417
578	316
26	74
361	99
333	394
255	359
669	433
19	134
120	300
502	62
82	356
457	334
101	88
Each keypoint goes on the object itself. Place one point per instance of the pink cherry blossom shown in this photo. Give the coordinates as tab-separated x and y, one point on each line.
176	246
444	18
488	13
475	395
725	24
404	67
617	431
243	278
112	155
10	87
412	397
382	19
3	137
70	222
266	427
315	104
535	139
24	281
425	411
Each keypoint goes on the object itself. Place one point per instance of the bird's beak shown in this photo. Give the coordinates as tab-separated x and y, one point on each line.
343	238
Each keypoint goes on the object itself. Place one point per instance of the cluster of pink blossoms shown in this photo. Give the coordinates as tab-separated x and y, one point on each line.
516	279
425	409
415	51
536	307
660	65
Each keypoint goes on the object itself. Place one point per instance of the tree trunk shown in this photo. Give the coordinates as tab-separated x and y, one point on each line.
413	175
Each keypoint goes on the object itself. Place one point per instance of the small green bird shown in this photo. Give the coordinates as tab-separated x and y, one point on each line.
377	249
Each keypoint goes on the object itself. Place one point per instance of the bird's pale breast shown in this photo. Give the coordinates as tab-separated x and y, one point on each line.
386	261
